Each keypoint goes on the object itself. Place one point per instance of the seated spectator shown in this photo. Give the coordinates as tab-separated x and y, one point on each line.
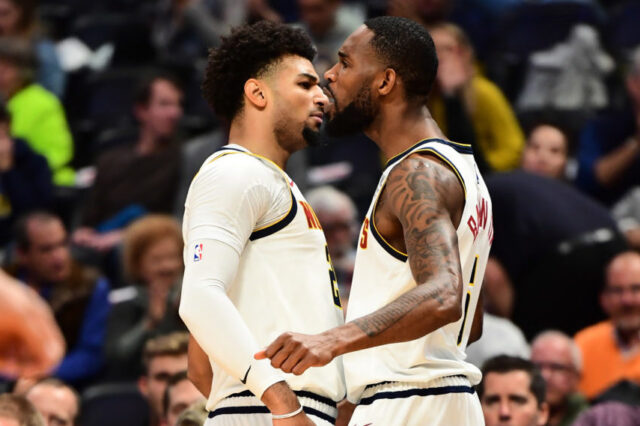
462	95
19	20
338	216
25	178
543	225
329	24
610	414
163	357
149	307
16	410
179	396
559	361
611	349
140	177
512	393
29	328
546	151
77	295
57	402
195	415
499	337
37	116
609	149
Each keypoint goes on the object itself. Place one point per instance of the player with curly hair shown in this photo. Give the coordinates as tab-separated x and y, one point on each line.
256	261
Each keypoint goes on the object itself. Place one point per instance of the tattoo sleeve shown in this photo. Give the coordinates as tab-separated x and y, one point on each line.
415	192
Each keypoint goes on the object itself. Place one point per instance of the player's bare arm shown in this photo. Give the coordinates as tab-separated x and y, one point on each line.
478	321
417	213
198	369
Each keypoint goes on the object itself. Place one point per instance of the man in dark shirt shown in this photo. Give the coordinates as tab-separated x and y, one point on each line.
550	249
143	177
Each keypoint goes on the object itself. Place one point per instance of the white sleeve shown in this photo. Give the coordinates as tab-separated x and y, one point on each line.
216	323
226	201
229	197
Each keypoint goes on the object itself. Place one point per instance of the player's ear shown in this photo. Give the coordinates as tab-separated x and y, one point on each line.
254	90
387	81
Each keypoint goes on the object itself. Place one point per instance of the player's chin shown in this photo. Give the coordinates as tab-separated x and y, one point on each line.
312	136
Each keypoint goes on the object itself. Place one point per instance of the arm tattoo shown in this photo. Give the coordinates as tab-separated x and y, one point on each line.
416	190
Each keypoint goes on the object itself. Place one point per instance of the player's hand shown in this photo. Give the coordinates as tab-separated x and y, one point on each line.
295	352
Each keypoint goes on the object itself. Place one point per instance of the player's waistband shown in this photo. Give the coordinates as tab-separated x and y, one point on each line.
395	390
246	403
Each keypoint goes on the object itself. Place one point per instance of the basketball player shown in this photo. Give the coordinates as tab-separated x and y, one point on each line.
256	261
423	246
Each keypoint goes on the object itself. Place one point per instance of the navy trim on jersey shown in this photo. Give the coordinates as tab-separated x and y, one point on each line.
451	165
460	147
417	392
228	148
250	409
272	229
386	246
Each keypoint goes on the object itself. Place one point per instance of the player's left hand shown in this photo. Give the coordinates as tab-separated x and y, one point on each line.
295	352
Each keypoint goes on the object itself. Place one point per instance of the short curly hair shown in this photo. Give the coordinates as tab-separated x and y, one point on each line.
249	52
407	47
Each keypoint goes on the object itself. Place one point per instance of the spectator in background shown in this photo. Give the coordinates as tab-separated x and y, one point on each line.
559	361
195	415
627	213
499	337
338	216
140	177
77	295
463	95
149	307
25	179
16	410
546	151
609	150
328	23
512	392
610	414
179	396
611	349
163	357
549	238
18	19
57	402
37	116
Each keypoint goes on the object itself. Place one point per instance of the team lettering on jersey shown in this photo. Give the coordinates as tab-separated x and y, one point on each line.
312	219
365	234
481	220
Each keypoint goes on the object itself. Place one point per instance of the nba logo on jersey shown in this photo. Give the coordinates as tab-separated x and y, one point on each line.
197	255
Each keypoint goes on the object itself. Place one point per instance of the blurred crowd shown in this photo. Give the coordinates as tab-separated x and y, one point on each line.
102	128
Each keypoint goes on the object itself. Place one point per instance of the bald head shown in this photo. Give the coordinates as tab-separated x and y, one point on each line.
560	344
621	296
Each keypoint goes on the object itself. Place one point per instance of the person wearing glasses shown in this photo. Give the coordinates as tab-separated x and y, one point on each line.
560	362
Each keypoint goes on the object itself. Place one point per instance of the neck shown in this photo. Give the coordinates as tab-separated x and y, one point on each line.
557	413
629	338
147	143
259	138
400	127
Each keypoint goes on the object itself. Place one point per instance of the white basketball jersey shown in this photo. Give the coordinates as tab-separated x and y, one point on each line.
285	282
382	274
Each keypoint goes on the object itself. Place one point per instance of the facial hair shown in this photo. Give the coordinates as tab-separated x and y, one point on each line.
355	117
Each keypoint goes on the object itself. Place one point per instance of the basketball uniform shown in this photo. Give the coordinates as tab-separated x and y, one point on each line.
285	282
424	381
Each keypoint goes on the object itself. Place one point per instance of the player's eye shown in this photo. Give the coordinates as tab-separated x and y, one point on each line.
343	63
305	85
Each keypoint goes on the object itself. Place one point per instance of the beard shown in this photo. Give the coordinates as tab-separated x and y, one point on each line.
355	117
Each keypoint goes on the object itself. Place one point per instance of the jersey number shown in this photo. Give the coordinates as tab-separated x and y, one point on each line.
333	280
467	299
